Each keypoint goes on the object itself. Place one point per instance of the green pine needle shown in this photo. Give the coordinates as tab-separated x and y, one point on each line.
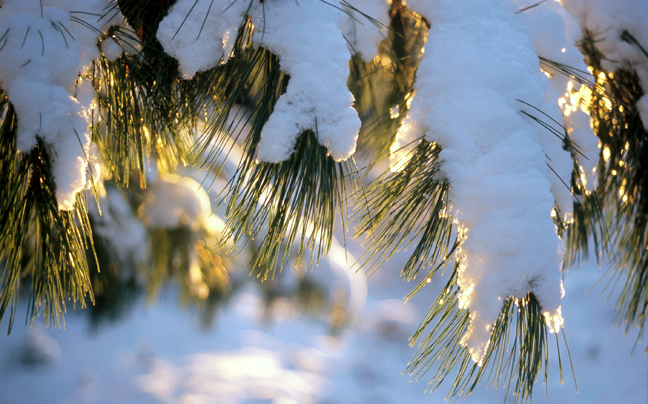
516	354
399	208
140	113
623	180
39	244
295	202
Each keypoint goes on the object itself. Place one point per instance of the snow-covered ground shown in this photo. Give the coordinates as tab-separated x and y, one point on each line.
160	354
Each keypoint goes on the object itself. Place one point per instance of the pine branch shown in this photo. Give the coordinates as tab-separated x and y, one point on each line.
140	113
623	178
515	356
588	217
409	207
401	207
295	202
184	255
115	286
145	16
39	243
588	221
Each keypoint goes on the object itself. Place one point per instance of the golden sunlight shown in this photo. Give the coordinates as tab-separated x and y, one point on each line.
606	153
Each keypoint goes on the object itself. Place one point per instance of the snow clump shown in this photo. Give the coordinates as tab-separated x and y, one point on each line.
201	34
173	201
311	49
44	49
500	192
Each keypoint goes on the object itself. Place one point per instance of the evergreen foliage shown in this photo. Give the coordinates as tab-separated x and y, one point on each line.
39	243
148	115
623	175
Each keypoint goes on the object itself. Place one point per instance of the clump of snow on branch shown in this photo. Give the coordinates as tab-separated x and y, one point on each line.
118	224
365	25
111	49
201	34
173	201
313	52
44	49
311	49
554	34
620	30
478	63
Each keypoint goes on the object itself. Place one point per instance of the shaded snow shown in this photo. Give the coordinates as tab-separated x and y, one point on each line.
555	34
161	355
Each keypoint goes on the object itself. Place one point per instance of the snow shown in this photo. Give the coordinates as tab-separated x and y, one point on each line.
44	51
173	201
118	224
500	192
313	52
579	126
306	38
161	355
642	107
201	34
111	49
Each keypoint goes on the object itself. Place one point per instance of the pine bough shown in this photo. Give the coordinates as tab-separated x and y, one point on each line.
494	162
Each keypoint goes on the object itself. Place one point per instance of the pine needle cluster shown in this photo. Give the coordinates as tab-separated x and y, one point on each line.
40	245
623	179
